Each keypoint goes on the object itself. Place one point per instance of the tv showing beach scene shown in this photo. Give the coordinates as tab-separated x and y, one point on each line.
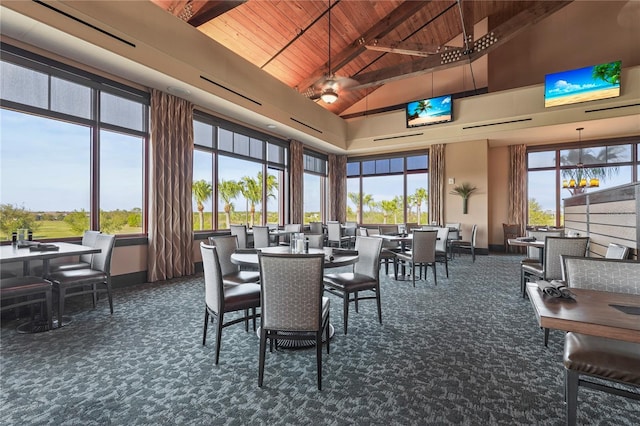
582	85
429	111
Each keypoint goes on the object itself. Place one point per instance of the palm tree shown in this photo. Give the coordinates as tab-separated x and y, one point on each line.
228	190
422	106
354	197
252	192
367	200
581	156
202	191
419	197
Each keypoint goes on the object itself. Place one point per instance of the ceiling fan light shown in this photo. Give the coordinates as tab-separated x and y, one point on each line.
329	96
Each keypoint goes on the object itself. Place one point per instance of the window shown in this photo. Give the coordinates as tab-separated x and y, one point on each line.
229	166
611	162
315	187
389	190
72	148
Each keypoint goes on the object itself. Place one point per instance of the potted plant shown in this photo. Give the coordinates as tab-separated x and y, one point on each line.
465	190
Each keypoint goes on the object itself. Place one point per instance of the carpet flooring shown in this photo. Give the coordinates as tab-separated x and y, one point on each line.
465	352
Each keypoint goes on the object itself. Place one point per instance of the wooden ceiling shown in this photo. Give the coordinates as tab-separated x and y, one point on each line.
372	42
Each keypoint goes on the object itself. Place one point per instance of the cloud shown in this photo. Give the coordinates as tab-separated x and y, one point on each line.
446	100
563	86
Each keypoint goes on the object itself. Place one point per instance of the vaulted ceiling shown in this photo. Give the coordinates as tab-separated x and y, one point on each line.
371	42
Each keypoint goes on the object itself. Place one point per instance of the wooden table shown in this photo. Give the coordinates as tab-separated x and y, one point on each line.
590	313
11	254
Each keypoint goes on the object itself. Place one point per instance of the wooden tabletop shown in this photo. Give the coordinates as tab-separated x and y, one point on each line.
590	313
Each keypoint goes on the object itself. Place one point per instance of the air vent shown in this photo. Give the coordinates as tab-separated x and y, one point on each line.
230	90
497	124
100	30
608	108
305	125
398	137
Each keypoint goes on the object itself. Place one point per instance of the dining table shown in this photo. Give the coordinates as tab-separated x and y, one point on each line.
528	242
28	252
591	312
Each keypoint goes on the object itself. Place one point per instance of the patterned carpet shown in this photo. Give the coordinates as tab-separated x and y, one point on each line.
465	352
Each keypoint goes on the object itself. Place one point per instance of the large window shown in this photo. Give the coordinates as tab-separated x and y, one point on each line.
388	190
229	168
610	163
72	149
315	187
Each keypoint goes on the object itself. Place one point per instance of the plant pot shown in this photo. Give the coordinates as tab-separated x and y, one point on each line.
465	205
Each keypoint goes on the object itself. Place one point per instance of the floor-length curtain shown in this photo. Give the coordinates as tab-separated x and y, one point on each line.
170	251
296	176
338	187
436	184
518	186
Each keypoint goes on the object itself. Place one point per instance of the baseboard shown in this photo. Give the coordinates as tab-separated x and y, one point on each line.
128	280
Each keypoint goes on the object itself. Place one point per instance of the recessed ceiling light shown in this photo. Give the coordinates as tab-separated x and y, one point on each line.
271	126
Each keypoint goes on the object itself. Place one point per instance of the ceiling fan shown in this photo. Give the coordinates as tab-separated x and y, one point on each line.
328	87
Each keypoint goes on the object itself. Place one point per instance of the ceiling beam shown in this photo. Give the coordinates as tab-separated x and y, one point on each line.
212	9
378	31
407	48
454	57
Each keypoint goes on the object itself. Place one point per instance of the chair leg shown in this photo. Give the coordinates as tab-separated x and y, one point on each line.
571	394
377	290
94	294
61	294
246	320
204	328
319	357
109	296
327	334
219	335
413	273
546	337
446	265
49	306
435	278
345	308
473	253
263	348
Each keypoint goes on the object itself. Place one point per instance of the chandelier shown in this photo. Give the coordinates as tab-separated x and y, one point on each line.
581	179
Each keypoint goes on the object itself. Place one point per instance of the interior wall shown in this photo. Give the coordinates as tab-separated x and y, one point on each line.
581	34
468	162
498	160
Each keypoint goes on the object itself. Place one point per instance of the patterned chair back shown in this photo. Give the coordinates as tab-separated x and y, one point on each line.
291	291
226	245
555	247
615	275
368	263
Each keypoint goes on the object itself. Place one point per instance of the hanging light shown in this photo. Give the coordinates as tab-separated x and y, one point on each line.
582	181
329	96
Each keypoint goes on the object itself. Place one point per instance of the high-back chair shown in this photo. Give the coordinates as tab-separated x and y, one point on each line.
616	251
510	231
533	254
221	299
231	273
84	261
469	244
292	306
316	228
240	231
364	278
334	234
315	240
441	248
261	237
290	227
606	360
93	280
423	253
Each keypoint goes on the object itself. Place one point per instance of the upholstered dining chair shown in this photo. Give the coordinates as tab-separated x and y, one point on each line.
231	273
423	253
28	290
93	280
364	277
240	231
221	299
441	248
316	228
290	227
469	244
84	261
315	240
261	237
389	248
533	253
509	231
334	234
292	305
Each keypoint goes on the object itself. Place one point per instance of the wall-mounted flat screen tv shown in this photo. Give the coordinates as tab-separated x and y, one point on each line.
429	111
582	85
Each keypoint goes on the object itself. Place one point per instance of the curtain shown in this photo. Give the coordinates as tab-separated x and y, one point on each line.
296	176
436	184
518	186
338	187
170	251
